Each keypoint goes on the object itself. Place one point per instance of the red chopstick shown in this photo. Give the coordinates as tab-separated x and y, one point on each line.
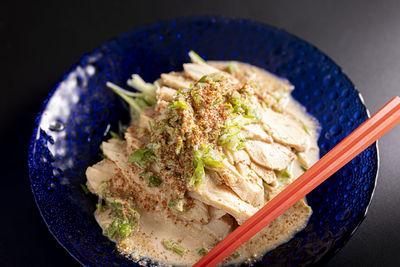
362	137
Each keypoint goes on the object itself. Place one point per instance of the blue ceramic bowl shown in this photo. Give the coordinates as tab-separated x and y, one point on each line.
80	110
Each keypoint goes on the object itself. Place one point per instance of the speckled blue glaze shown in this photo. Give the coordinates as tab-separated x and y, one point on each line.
80	110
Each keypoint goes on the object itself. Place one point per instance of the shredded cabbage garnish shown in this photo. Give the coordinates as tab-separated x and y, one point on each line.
195	58
146	96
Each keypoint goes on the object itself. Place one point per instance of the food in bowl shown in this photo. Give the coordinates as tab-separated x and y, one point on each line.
207	147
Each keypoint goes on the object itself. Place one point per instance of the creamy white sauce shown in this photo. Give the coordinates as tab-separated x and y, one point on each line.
153	227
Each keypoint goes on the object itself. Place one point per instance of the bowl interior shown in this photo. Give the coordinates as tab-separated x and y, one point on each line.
80	110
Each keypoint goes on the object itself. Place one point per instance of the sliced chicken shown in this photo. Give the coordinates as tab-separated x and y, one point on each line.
215	213
272	156
198	213
254	179
241	156
175	80
229	156
132	142
266	81
99	173
221	65
267	175
247	188
222	197
165	93
256	132
215	177
196	71
144	121
285	130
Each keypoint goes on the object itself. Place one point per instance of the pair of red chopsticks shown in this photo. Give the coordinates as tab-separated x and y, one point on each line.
362	137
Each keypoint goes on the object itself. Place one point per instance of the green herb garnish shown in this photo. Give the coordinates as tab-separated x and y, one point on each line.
202	251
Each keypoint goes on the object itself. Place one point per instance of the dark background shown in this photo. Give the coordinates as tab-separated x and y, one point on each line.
39	41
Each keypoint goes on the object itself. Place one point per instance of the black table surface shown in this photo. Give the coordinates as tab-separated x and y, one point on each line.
40	40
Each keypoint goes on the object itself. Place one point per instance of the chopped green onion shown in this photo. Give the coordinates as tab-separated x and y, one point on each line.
199	173
100	205
179	145
216	102
179	104
195	58
174	246
229	106
204	156
232	68
231	138
196	96
202	79
125	229
120	228
176	204
142	156
85	189
237	108
303	168
125	217
278	109
202	251
302	160
212	162
305	128
284	173
154	181
235	254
